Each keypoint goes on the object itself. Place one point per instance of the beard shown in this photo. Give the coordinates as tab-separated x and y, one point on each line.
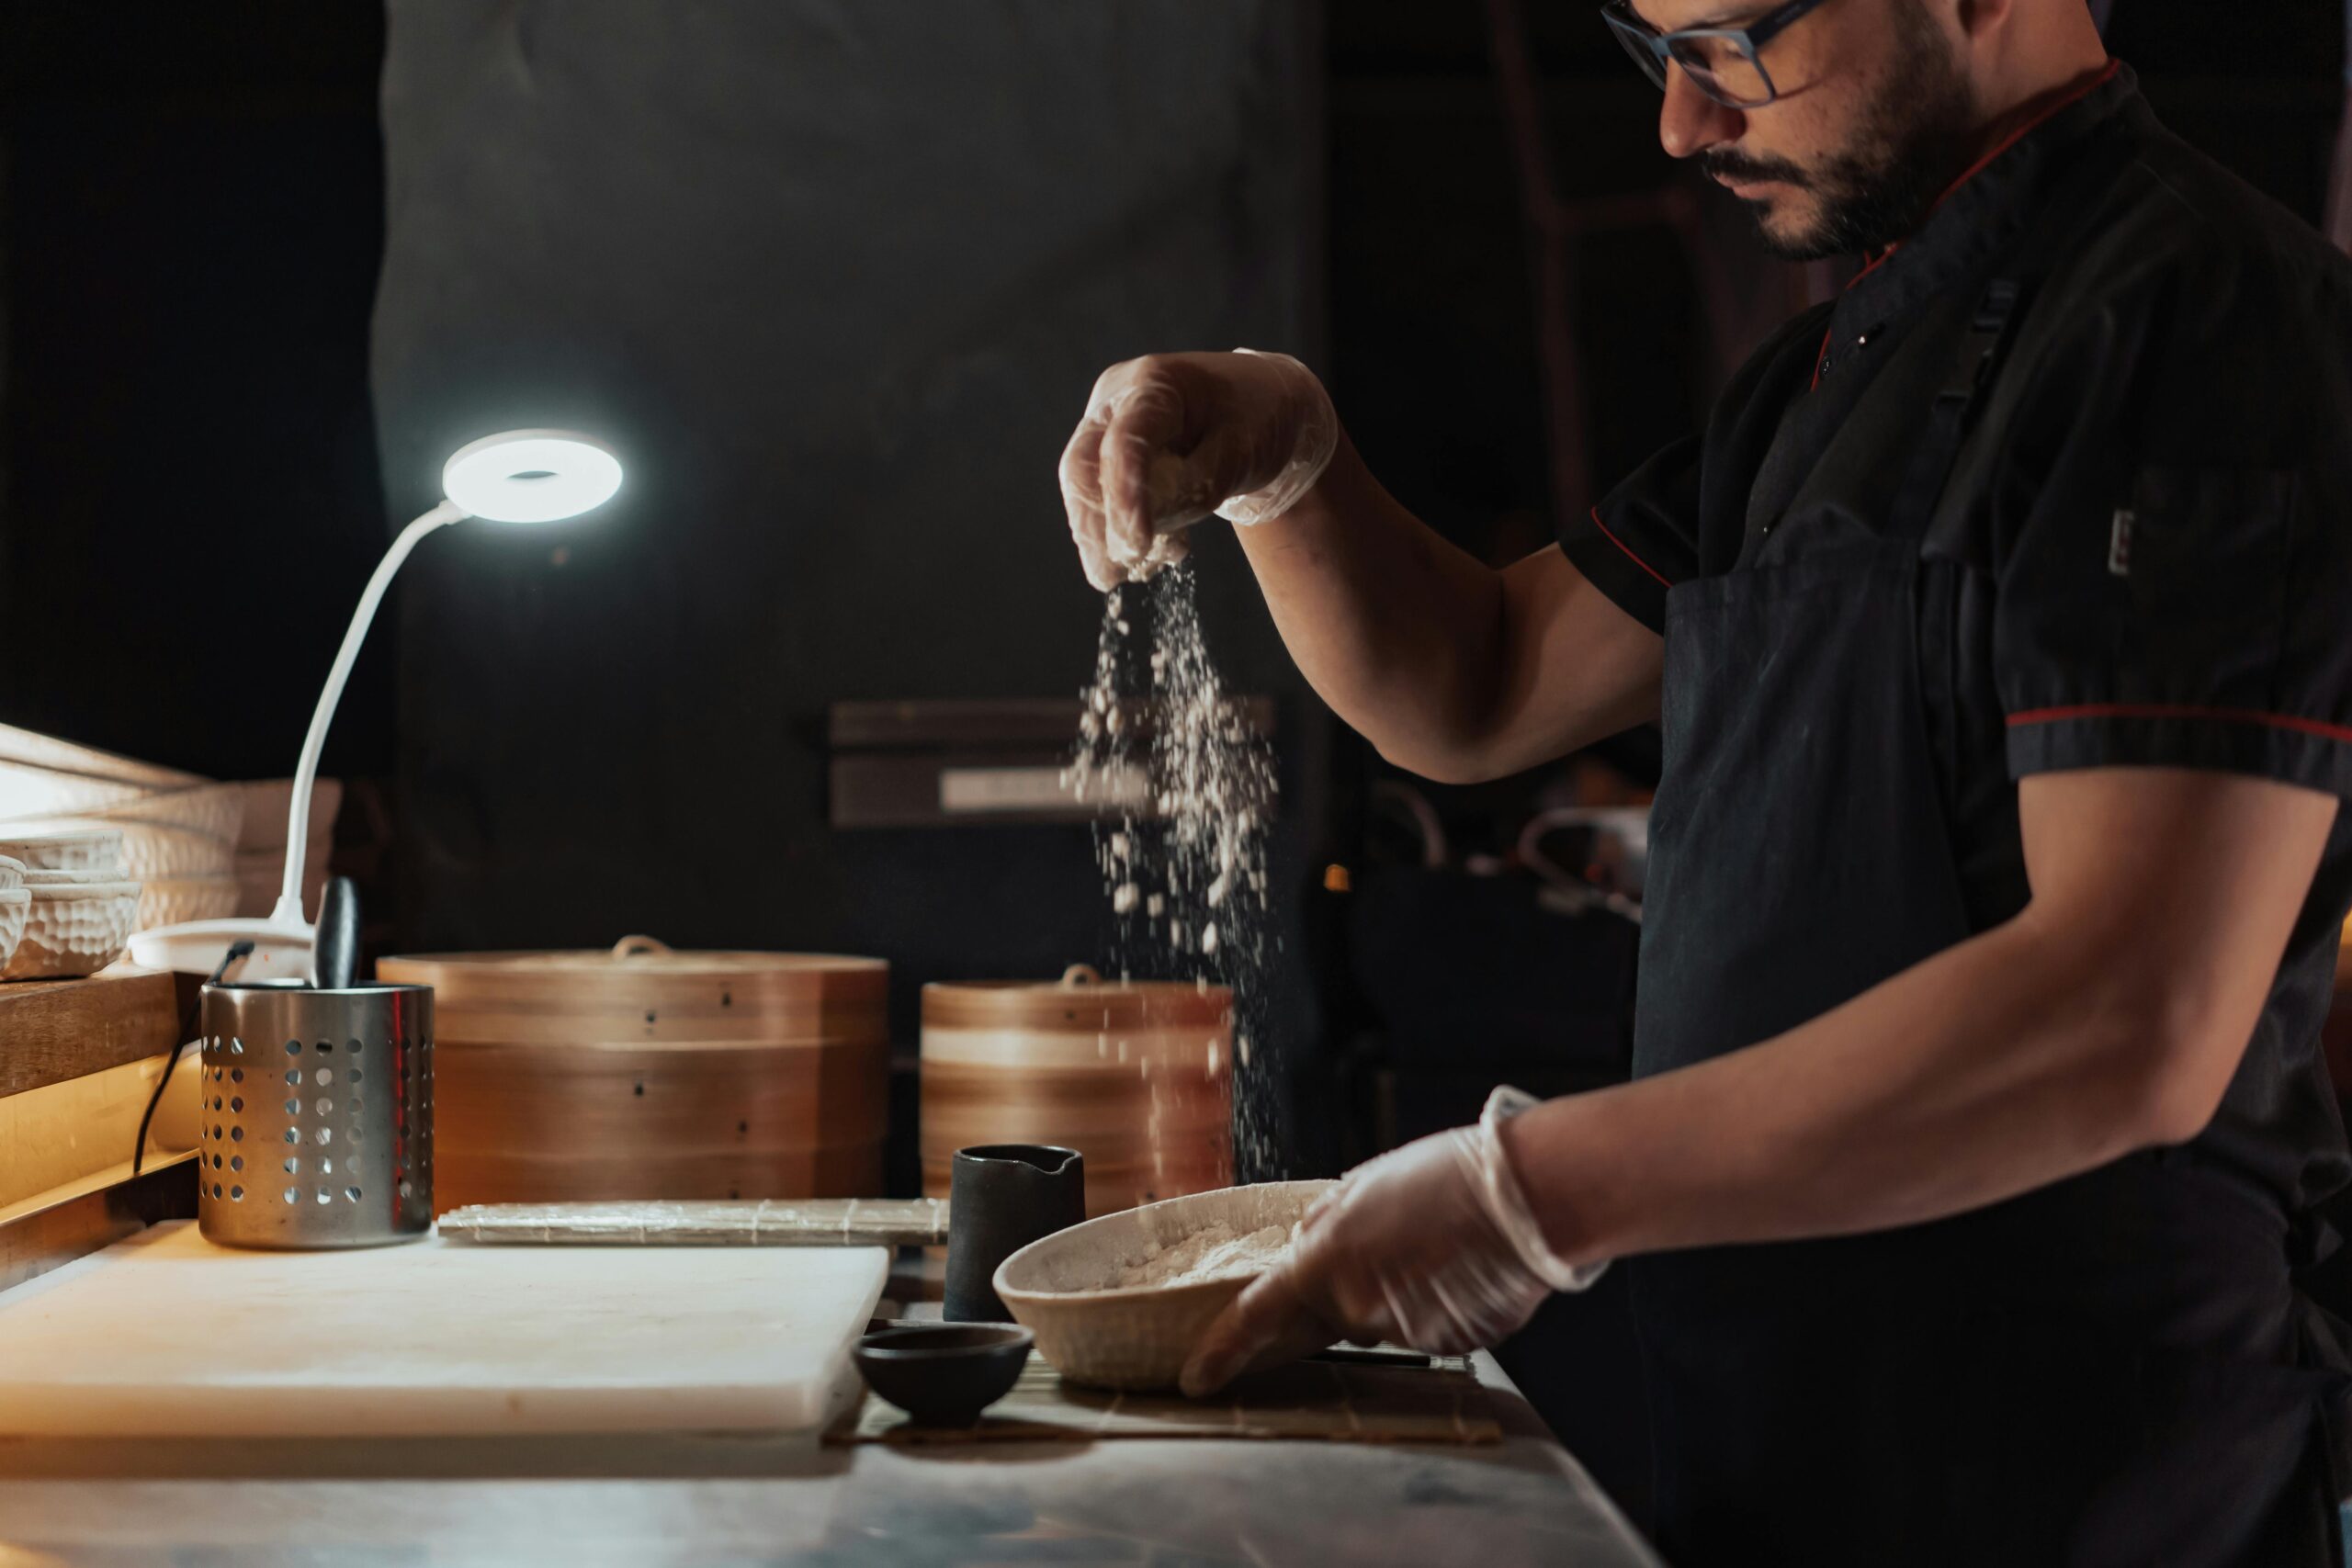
1914	133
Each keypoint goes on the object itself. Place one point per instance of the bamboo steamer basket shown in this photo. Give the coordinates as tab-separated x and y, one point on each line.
1136	1075
643	1073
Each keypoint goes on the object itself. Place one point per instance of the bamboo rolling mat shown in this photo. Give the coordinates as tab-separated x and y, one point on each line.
768	1221
1312	1400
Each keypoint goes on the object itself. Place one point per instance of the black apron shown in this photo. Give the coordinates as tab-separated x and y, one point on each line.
2111	1371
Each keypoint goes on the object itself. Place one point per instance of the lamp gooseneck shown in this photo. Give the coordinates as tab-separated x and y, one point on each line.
289	911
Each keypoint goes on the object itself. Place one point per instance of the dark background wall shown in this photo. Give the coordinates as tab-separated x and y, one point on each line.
191	218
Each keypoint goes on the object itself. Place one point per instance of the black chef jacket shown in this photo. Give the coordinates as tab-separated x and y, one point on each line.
2142	555
2156	505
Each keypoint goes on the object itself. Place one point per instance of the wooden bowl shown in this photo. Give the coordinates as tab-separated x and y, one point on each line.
1137	1337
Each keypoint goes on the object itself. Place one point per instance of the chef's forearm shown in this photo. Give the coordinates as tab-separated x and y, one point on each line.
1453	669
2002	1065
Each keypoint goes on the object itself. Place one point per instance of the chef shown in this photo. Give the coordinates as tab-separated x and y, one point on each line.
1999	624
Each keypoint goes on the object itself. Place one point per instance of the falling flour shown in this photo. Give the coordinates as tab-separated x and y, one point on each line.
1214	1253
1186	785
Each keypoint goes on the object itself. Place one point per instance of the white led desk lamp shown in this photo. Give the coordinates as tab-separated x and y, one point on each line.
521	476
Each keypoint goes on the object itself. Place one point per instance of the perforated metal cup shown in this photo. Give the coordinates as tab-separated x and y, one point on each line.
317	1115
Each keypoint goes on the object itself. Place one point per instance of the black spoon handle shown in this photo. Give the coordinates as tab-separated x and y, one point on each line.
335	958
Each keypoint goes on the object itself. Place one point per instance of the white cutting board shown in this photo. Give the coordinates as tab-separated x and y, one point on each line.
167	1335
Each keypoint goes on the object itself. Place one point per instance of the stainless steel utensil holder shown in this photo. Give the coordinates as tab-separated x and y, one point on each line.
317	1115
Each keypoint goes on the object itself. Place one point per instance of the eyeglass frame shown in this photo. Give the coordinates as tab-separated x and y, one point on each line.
1659	48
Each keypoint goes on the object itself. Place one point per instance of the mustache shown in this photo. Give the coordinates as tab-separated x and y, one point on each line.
1724	164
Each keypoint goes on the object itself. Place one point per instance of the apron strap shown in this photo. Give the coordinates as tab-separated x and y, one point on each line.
1978	358
1975	364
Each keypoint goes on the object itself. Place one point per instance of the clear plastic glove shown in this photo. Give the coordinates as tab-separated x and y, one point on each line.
1170	439
1432	1245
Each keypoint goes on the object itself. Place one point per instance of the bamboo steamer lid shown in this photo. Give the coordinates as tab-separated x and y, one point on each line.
1136	1075
645	1073
643	992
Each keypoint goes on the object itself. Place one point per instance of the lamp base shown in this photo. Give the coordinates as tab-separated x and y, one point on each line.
281	950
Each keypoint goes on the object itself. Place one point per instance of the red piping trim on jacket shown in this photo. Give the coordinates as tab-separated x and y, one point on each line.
1873	264
1621	544
1986	162
2167	710
2023	132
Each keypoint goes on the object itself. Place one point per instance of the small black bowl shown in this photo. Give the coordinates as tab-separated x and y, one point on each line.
944	1374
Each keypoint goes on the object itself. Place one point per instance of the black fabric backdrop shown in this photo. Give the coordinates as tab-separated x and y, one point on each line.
834	279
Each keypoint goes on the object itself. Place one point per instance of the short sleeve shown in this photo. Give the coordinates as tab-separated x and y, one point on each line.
1642	538
2175	585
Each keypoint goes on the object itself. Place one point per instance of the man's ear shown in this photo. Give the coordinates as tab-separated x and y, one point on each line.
1977	17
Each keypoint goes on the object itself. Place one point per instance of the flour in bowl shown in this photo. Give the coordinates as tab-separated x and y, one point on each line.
1216	1252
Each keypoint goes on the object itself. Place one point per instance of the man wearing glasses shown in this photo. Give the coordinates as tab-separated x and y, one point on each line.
2000	628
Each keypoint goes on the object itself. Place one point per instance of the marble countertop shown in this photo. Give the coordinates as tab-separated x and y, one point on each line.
714	1499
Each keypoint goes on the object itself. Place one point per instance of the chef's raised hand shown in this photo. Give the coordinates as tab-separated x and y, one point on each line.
1172	439
1432	1245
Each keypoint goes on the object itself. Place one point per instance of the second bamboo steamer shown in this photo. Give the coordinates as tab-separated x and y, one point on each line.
1136	1075
643	1073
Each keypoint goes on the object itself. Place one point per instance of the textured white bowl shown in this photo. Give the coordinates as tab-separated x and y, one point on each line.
67	849
272	860
267	802
1137	1337
16	908
28	789
12	873
169	900
36	877
64	756
216	811
72	931
147	850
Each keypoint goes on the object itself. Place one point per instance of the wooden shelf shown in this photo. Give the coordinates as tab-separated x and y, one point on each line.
51	1031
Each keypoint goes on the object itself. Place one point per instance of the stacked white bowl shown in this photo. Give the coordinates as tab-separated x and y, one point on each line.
177	831
15	907
69	900
201	850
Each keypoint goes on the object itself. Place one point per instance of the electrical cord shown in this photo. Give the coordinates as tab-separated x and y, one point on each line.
187	1028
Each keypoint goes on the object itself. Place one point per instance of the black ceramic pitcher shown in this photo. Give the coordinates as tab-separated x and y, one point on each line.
1001	1197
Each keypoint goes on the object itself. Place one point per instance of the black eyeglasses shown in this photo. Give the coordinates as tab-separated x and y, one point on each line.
1725	63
